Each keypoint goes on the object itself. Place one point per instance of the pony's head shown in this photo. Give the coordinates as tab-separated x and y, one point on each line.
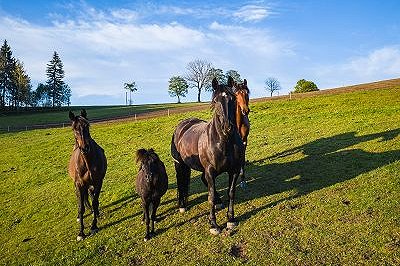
223	102
80	127
242	96
149	162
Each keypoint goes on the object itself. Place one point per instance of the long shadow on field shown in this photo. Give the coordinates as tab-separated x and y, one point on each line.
327	161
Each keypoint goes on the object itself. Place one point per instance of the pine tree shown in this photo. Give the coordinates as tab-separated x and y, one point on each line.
6	67
21	85
55	83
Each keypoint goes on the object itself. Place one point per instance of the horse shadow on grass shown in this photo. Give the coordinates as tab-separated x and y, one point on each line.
324	162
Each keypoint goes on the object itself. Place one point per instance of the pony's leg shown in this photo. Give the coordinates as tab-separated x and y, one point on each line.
80	196
215	230
182	180
156	203
218	202
231	194
146	206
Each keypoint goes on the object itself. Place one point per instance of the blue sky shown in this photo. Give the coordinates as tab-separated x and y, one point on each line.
106	43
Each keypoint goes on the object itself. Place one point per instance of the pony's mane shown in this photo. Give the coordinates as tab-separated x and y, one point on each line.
143	155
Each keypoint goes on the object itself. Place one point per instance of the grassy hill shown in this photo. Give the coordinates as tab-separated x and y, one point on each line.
323	186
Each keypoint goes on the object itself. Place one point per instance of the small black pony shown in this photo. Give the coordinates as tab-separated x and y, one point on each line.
151	185
87	168
212	148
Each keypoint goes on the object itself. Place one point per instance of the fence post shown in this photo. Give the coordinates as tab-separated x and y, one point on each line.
290	95
26	128
168	112
8	128
135	118
63	125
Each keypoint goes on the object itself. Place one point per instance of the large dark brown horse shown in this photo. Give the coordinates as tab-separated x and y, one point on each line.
87	168
242	119
211	147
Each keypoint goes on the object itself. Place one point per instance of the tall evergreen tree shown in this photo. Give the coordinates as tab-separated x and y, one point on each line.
6	67
55	83
21	85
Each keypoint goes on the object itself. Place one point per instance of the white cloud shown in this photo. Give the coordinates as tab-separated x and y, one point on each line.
379	64
383	61
252	13
105	49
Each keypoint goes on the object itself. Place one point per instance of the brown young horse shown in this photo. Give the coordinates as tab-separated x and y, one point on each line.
242	119
211	147
87	168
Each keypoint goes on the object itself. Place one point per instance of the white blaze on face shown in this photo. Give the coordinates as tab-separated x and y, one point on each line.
224	94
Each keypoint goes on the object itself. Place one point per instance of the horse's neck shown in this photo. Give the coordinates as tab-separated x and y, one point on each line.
216	127
239	116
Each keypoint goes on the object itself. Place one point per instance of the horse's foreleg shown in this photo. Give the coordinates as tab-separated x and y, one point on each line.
231	194
80	196
215	230
218	202
95	202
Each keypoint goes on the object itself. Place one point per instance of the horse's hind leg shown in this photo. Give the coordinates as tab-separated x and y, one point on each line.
182	180
80	196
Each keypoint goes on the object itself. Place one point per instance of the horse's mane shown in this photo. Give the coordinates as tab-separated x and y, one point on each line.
221	89
242	87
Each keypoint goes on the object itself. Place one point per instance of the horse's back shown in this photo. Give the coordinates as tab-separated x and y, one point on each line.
184	146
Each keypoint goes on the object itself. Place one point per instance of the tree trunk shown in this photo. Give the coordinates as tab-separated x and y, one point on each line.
179	100
198	96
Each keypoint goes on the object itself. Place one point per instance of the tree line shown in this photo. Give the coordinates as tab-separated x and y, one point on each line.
15	84
200	73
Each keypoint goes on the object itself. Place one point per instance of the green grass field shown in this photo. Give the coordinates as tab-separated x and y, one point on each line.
323	189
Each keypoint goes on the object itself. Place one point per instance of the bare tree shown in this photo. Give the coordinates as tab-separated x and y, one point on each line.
272	85
198	75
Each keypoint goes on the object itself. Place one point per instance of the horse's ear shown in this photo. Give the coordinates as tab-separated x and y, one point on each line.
83	113
71	115
214	84
231	82
245	82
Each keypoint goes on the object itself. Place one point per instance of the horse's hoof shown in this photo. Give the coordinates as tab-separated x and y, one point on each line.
231	225
182	210
215	231
79	238
77	219
219	206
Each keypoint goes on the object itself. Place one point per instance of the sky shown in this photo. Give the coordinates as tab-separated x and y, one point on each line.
104	44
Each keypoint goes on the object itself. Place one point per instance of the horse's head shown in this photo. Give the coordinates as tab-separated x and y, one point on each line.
224	103
242	96
80	127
